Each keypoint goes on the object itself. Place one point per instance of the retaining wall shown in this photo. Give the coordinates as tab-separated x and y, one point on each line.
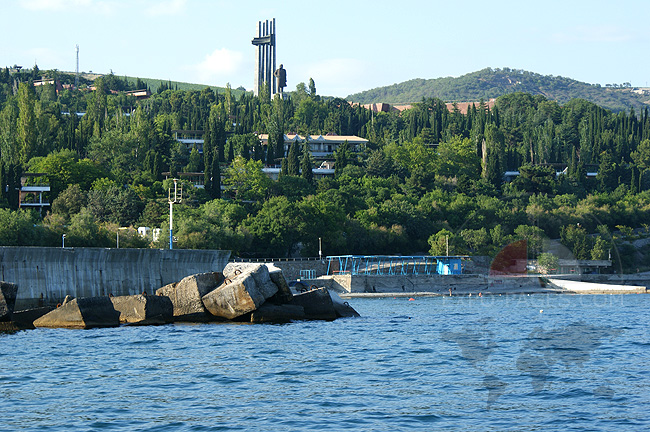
47	275
470	283
427	283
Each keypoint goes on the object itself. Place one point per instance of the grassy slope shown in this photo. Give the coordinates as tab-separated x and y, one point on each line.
154	83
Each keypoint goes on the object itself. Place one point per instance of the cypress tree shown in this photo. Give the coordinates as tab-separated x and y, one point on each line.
14	172
258	152
157	166
270	153
284	170
207	172
279	145
148	163
633	182
341	157
293	162
231	151
573	164
3	181
215	139
26	129
215	183
306	165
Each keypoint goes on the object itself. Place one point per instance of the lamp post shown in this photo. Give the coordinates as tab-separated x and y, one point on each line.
63	241
178	196
320	249
117	234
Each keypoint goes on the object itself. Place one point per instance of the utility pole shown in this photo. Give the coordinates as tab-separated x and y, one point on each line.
178	196
117	233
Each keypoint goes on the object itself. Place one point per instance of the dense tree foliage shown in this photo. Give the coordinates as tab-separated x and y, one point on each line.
430	179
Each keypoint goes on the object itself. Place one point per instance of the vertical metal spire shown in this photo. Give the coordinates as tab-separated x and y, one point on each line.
76	77
265	57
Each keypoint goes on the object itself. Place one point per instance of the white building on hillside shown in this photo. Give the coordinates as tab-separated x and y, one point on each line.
322	147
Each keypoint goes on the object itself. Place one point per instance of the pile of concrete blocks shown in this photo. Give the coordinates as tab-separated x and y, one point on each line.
254	293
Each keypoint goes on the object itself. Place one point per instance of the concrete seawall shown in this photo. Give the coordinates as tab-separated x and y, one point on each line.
432	284
54	273
373	286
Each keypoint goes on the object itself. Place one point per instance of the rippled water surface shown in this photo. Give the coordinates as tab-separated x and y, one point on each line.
520	363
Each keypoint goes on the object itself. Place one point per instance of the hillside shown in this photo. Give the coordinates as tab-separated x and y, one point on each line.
491	83
152	83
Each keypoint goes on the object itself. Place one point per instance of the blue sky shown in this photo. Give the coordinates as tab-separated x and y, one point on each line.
345	46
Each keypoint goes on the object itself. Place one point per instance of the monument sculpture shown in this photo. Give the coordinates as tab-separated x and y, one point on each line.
265	57
280	79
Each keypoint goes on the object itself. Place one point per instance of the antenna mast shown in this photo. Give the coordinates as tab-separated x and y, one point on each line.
76	77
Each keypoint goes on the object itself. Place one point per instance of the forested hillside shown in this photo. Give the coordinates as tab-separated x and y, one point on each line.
492	83
426	175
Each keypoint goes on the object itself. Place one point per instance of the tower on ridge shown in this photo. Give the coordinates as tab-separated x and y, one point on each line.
76	76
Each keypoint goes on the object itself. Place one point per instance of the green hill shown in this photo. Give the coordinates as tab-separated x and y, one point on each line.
492	83
153	84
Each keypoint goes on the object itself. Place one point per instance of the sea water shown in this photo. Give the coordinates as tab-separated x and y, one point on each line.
492	363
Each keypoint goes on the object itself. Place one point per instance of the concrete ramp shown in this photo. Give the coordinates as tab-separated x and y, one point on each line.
596	288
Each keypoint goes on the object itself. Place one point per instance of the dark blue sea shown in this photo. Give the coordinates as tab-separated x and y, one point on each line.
511	363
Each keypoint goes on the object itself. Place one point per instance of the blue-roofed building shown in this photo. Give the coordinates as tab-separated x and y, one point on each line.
449	265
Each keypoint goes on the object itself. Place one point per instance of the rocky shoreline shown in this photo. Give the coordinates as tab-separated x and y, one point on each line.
254	293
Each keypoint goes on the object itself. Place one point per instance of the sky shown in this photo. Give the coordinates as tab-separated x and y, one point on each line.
345	46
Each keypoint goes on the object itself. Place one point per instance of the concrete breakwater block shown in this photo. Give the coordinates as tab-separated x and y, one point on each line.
144	310
244	290
284	294
8	293
259	272
341	307
270	313
24	319
186	295
82	313
317	304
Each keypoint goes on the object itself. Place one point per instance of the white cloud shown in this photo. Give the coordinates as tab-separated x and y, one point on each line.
337	76
168	7
103	7
150	7
219	67
53	5
593	34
